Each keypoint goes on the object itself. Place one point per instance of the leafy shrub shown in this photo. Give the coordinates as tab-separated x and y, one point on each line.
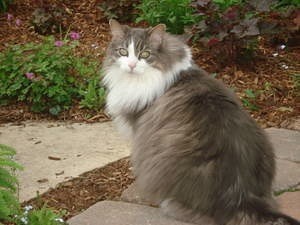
230	28
123	10
4	5
46	75
49	20
9	204
176	14
93	95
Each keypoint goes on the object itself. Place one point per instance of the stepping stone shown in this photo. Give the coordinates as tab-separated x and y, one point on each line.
287	176
132	195
286	143
287	149
289	203
122	213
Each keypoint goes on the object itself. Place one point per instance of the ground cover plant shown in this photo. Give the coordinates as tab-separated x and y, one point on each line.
49	76
10	209
176	14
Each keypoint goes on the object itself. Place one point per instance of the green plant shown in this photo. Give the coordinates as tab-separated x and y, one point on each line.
176	14
44	216
249	99
9	204
94	95
46	75
10	209
4	5
287	3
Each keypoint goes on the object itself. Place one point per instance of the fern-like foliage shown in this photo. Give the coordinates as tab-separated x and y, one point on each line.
9	204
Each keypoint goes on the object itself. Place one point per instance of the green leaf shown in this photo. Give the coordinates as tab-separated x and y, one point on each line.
249	93
55	110
10	163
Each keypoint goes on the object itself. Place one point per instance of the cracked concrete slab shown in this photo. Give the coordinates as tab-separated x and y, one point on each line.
53	152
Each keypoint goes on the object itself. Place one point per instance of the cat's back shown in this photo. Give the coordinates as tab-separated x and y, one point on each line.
195	95
202	111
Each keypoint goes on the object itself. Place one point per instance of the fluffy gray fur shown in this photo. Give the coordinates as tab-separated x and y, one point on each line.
195	150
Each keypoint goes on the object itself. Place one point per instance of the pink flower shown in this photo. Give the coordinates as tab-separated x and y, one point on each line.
58	43
18	22
29	75
74	35
9	16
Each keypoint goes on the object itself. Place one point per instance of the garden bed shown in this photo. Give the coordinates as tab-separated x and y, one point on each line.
78	194
267	86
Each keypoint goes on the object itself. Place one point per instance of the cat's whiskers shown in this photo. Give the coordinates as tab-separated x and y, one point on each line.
133	92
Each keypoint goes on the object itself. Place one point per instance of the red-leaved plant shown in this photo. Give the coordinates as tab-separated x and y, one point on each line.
230	28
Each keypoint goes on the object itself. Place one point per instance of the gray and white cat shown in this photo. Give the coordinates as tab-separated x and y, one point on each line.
196	152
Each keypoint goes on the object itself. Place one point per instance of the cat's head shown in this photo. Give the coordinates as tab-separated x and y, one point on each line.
136	51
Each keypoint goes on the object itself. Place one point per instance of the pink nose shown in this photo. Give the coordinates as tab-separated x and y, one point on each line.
132	65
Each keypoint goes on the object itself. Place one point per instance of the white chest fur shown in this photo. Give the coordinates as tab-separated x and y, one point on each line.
131	92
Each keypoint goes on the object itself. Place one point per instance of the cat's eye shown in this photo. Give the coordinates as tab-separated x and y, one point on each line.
144	54
123	52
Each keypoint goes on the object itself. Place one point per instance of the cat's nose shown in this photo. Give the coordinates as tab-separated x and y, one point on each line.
132	65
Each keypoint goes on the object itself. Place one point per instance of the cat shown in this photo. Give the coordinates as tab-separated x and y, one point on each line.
196	152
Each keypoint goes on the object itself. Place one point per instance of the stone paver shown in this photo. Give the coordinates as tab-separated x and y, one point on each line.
122	213
287	176
116	213
286	143
289	203
287	150
132	195
76	147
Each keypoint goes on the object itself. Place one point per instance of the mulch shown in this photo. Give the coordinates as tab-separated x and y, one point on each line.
270	77
76	195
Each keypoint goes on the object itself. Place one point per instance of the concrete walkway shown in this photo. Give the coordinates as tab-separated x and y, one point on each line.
55	152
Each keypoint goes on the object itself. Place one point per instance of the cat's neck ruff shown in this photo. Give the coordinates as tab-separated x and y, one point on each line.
130	93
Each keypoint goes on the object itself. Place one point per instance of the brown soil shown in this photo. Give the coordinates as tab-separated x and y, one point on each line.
78	194
276	95
276	104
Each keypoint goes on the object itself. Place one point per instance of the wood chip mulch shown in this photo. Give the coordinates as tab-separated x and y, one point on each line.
76	195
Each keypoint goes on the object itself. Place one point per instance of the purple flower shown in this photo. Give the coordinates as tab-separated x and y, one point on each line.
29	75
74	35
18	22
9	16
58	43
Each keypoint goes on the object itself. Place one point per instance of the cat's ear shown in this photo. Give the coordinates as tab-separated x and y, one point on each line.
156	34
185	38
116	28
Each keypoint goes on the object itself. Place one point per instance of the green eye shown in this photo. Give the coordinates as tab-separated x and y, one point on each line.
144	54
123	52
